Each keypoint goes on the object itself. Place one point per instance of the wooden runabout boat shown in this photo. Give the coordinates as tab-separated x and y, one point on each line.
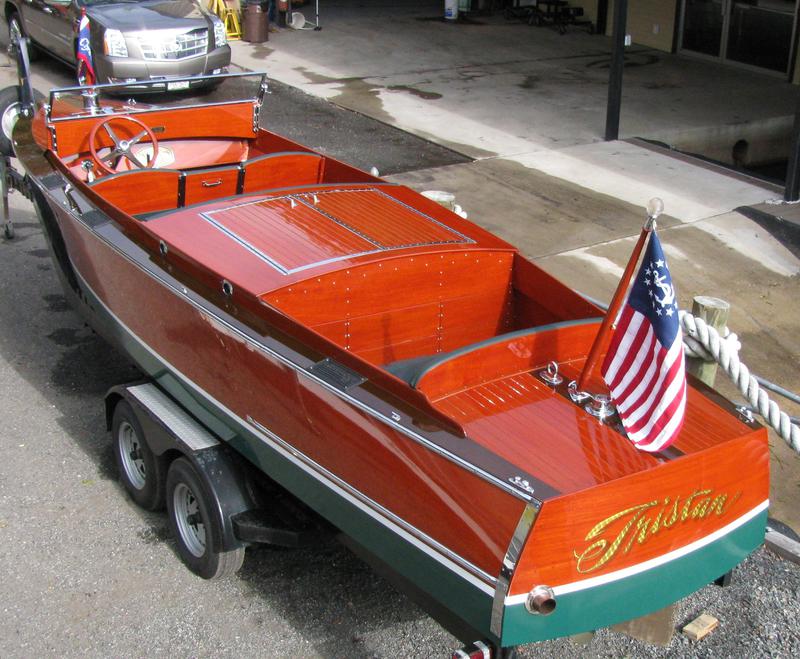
398	369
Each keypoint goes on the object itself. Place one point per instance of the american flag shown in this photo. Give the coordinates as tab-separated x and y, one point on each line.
86	74
644	367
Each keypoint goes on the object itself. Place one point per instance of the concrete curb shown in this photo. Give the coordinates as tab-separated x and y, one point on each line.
785	230
783	546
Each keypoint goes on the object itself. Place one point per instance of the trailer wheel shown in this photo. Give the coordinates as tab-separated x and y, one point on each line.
196	529
142	472
9	112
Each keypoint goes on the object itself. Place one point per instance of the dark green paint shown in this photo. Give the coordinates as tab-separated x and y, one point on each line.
637	595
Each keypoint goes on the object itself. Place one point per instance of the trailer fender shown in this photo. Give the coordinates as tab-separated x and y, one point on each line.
226	491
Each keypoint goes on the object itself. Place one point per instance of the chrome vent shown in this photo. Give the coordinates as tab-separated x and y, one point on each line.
169	45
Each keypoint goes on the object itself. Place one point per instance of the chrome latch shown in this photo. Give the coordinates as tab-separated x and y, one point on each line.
575	395
71	201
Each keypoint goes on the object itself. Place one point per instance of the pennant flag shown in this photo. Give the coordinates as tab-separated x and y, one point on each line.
86	74
644	367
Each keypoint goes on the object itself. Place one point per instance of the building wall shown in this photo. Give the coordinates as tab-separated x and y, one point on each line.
650	22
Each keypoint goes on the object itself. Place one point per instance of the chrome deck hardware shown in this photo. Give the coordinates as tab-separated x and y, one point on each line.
600	406
550	375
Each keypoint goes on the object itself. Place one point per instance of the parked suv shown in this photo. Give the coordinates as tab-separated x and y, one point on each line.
130	39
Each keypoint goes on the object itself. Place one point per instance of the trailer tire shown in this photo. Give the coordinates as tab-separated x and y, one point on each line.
197	530
9	111
142	472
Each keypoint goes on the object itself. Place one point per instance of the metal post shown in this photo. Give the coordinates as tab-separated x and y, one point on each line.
615	70
8	225
792	191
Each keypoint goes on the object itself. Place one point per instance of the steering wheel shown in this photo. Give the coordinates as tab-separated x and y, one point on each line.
122	148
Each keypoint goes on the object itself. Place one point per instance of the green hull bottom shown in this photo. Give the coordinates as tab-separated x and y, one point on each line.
636	595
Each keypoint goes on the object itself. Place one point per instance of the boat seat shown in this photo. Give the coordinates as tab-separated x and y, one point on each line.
413	370
282	170
141	190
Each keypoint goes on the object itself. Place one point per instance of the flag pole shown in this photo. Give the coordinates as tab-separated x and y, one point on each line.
654	209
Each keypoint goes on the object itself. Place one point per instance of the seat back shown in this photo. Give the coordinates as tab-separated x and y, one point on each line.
141	190
282	170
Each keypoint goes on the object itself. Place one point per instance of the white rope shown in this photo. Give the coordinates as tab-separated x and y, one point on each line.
703	341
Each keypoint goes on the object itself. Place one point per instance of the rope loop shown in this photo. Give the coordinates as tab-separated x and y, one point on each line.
701	341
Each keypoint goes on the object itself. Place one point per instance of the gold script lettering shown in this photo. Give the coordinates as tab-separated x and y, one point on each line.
619	533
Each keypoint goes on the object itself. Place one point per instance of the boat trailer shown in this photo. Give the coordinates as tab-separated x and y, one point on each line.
24	104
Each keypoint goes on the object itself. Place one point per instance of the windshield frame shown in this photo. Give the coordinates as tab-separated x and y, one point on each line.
109	99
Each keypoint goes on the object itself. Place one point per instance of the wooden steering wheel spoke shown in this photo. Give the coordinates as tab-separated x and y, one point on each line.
122	147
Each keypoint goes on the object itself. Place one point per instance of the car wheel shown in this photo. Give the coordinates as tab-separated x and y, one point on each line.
15	31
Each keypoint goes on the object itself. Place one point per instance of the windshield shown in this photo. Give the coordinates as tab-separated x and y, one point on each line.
91	3
145	96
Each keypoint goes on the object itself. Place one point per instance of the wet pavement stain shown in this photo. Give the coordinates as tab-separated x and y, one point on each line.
40	253
530	82
359	139
631	61
88	365
660	85
318	78
56	303
70	337
428	96
261	51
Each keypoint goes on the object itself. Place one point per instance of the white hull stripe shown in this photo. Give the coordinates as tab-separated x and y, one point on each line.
604	579
377	512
